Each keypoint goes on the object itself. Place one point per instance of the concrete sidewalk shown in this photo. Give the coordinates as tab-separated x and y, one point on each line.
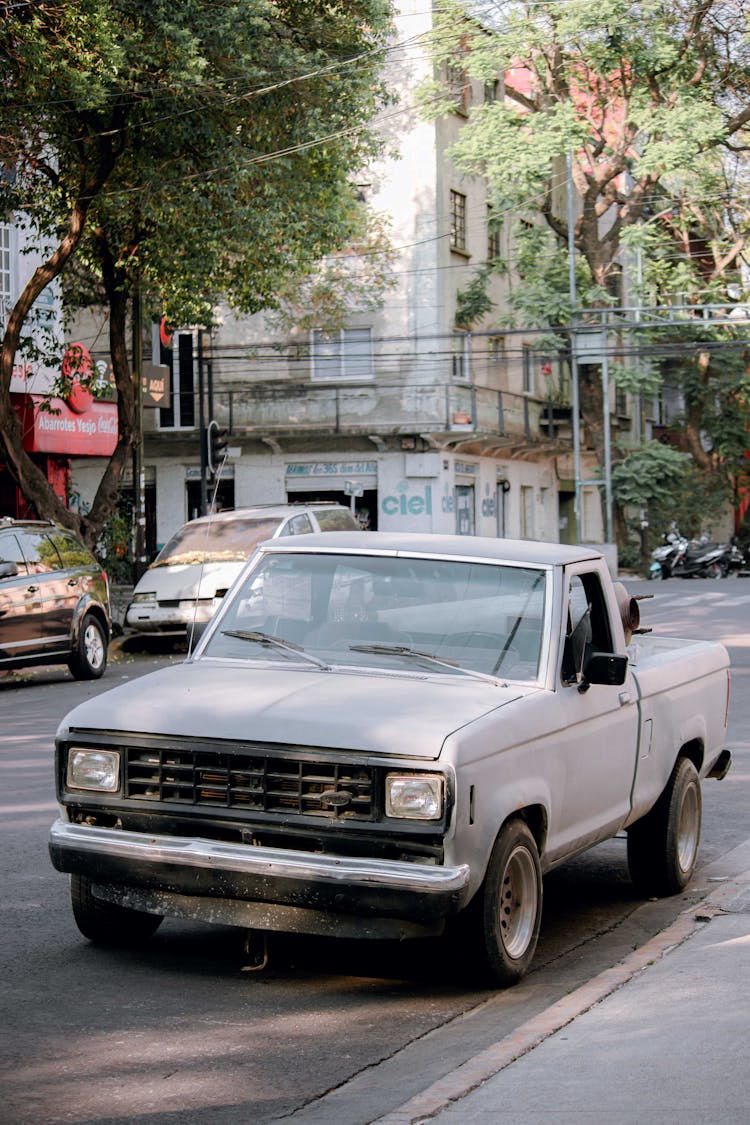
663	1037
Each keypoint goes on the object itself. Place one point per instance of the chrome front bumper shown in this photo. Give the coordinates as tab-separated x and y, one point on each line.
163	868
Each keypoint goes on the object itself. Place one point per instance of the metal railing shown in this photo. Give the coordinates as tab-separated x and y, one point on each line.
275	409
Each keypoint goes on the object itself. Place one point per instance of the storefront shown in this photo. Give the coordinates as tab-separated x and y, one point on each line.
54	431
353	483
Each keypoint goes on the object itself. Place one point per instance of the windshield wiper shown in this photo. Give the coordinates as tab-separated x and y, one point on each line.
428	657
270	641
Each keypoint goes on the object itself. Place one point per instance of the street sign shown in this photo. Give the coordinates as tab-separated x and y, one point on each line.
156	381
353	488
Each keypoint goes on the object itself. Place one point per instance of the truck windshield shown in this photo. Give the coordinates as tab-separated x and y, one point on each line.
372	611
215	541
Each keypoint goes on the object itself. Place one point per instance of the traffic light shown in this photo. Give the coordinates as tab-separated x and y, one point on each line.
216	446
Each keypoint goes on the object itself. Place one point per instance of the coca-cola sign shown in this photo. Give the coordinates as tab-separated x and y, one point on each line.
50	426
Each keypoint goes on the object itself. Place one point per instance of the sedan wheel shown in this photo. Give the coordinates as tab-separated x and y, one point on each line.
89	658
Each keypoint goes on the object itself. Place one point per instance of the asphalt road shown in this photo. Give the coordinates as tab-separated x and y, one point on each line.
331	1032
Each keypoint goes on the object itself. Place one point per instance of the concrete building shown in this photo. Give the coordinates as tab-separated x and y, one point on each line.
54	430
410	419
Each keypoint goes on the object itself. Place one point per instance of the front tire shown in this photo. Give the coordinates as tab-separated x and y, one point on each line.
663	845
510	908
105	923
89	657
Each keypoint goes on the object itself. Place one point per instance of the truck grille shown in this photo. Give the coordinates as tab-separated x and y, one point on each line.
330	790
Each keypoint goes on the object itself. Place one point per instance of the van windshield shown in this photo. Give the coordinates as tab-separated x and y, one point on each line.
215	541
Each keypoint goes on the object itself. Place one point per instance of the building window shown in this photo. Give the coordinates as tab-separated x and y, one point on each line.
345	354
492	90
460	88
621	403
496	349
458	220
528	370
493	236
6	280
460	367
181	358
527	511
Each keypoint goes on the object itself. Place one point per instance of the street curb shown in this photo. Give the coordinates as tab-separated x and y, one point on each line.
529	1035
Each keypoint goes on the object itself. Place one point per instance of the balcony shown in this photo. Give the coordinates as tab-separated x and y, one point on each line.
450	412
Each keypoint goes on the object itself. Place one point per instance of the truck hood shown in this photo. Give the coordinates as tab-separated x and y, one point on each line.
367	712
189	580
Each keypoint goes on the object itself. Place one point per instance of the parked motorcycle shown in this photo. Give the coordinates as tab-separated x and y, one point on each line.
664	556
702	559
737	561
679	557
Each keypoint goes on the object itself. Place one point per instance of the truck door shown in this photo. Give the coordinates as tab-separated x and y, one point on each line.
593	755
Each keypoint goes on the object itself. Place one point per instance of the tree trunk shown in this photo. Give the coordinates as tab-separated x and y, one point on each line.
128	426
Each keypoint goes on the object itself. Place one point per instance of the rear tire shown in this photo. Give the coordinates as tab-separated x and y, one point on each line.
663	845
89	657
508	913
105	923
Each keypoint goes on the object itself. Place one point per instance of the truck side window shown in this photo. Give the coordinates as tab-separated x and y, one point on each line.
587	626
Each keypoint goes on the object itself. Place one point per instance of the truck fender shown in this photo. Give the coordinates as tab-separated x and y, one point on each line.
529	800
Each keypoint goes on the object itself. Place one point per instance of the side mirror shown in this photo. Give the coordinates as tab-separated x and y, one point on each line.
606	668
8	570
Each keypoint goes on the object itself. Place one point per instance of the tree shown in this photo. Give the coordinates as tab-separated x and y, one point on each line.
190	150
649	100
663	485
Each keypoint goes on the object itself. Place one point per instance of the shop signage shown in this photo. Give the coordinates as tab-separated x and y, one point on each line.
407	502
331	468
226	472
156	382
91	432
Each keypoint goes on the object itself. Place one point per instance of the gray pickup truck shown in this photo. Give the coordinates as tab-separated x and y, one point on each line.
384	735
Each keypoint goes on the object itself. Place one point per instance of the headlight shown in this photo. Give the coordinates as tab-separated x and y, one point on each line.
148	596
94	769
418	797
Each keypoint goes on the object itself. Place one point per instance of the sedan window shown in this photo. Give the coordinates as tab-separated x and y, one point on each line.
10	551
41	553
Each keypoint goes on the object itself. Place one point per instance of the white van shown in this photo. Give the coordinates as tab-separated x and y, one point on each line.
192	573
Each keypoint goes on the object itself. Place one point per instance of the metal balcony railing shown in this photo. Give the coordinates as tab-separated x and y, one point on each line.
276	409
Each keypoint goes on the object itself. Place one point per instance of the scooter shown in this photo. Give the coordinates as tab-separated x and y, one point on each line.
702	560
664	557
736	560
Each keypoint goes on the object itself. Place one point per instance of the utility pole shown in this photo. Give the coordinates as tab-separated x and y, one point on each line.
202	426
575	380
573	348
139	483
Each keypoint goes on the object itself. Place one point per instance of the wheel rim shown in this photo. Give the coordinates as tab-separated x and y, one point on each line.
518	902
688	828
93	646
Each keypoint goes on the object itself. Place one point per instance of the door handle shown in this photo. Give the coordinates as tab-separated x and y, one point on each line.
32	589
624	698
73	581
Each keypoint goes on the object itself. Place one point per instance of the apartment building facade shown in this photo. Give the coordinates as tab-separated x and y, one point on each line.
413	420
